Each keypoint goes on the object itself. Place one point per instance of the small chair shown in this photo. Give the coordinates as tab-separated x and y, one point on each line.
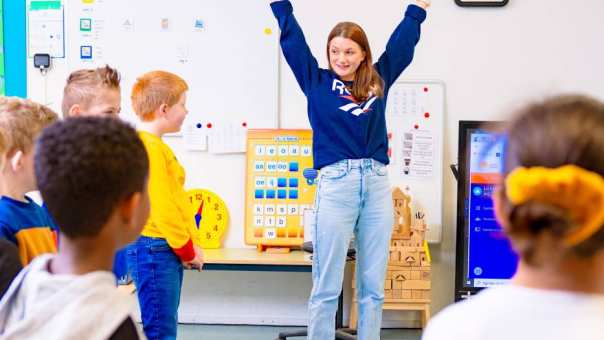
341	333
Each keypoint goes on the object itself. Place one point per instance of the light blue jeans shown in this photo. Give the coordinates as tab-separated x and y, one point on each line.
353	196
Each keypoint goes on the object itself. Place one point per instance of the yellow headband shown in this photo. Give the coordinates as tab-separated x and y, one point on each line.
574	189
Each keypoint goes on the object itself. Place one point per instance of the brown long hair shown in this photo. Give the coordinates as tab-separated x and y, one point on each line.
366	79
555	132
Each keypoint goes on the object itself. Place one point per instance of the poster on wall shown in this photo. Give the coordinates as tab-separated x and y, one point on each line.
192	39
415	119
45	28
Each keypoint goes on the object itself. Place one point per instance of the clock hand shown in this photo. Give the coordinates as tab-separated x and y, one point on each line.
200	212
199	215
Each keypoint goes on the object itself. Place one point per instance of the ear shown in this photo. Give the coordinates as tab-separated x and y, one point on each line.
74	111
163	110
498	208
16	160
127	208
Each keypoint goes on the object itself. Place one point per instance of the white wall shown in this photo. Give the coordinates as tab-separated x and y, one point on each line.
492	60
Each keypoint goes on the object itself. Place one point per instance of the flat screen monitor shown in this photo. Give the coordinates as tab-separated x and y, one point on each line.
484	256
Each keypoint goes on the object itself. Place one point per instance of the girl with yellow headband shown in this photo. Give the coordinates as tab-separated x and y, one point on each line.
551	206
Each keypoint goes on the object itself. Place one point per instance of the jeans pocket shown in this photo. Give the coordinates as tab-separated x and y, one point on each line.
334	171
381	170
161	248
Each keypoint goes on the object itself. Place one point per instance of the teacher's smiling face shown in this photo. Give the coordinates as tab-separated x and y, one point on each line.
345	56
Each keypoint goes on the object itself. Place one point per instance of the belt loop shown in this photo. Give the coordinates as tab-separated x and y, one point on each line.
349	161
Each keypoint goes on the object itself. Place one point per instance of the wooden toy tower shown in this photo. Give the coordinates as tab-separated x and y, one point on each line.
408	279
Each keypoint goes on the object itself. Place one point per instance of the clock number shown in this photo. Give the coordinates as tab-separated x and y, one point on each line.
198	197
208	236
218	217
215	227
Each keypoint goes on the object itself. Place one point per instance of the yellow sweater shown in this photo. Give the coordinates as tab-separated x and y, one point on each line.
170	217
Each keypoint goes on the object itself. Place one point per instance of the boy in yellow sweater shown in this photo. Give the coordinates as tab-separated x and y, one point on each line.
157	258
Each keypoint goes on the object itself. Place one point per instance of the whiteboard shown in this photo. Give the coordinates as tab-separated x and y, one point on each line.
226	51
415	115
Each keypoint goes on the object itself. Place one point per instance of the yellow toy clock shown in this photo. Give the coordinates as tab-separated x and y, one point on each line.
211	217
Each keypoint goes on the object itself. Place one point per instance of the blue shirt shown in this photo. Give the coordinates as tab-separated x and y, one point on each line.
29	226
344	128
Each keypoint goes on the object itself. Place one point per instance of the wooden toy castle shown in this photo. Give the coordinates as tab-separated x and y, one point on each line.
408	279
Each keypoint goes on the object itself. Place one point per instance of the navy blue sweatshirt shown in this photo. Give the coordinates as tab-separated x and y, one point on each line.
342	127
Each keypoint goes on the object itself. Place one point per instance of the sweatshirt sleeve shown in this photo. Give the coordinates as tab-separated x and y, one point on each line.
401	46
294	46
167	209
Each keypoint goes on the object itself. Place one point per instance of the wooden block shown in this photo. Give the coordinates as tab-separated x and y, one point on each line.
400	275
394	256
406	294
426	294
416	294
426	275
397	284
416	284
388	294
397	294
424	260
411	258
278	250
388	284
415	275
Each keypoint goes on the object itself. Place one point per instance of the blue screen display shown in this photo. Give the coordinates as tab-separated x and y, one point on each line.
490	258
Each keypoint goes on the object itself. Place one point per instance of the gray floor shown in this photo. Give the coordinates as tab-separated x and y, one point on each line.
228	332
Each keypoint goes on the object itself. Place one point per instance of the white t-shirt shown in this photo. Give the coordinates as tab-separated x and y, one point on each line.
515	312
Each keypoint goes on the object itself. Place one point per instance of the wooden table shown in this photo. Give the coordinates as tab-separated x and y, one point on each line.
249	259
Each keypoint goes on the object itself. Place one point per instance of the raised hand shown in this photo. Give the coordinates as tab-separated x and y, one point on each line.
423	3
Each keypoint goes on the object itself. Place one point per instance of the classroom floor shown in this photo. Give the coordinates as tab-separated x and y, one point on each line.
229	332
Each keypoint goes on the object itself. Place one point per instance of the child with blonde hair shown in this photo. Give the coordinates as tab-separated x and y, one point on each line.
156	260
551	206
96	92
10	264
92	92
22	221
